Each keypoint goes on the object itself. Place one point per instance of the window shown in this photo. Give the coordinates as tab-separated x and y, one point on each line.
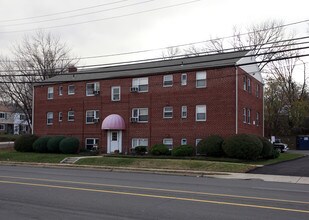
141	84
71	116
140	114
168	112
115	93
257	119
60	90
244	115
248	115
201	79
249	85
92	89
92	116
50	93
139	142
60	116
92	143
245	83
184	112
3	115
184	79
71	90
22	117
2	127
257	92
167	80
168	142
50	117
183	141
197	141
201	113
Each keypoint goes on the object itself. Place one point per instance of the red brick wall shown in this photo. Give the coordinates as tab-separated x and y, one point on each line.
251	101
218	96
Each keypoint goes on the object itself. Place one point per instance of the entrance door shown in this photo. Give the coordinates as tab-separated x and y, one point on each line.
114	140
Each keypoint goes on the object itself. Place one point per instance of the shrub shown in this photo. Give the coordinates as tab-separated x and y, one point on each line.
243	146
211	146
183	151
159	149
40	145
24	143
274	154
53	144
267	150
140	150
69	145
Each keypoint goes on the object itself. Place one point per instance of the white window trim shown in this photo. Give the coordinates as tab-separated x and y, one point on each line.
257	119
71	93
69	116
184	109
201	78
112	93
95	142
168	139
184	82
249	116
199	106
47	118
50	93
183	140
96	87
164	80
139	140
60	90
136	82
197	140
244	115
95	116
164	111
138	114
60	120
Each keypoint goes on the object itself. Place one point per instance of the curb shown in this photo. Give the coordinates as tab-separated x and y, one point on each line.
209	174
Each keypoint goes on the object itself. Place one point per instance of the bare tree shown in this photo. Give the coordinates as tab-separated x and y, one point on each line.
36	58
171	52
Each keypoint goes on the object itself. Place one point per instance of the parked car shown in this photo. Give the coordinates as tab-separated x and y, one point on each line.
279	146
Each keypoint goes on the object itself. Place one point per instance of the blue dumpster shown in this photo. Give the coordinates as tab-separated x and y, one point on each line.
302	142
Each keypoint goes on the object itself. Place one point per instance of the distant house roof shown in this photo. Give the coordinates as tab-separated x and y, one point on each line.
155	67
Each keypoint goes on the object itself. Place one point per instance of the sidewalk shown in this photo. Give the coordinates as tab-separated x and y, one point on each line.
6	144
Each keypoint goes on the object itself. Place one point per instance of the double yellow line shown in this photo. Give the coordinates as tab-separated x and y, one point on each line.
156	196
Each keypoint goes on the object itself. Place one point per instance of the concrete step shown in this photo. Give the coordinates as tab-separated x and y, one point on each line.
70	160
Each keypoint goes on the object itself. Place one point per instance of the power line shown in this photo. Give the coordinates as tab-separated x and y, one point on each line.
103	19
184	55
100	65
63	12
78	15
199	62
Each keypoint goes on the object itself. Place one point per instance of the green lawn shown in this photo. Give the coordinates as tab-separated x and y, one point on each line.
11	155
196	164
177	164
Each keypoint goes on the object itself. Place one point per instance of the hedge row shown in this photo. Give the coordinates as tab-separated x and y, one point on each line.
242	146
47	144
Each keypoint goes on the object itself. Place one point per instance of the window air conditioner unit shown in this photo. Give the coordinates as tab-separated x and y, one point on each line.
134	89
96	92
96	120
133	119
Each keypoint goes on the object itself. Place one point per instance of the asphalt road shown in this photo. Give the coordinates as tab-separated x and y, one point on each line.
298	167
52	193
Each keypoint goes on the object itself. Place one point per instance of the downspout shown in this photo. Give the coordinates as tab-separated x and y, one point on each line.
236	99
32	112
263	112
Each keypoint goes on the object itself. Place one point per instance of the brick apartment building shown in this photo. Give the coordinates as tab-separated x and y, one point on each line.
175	102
